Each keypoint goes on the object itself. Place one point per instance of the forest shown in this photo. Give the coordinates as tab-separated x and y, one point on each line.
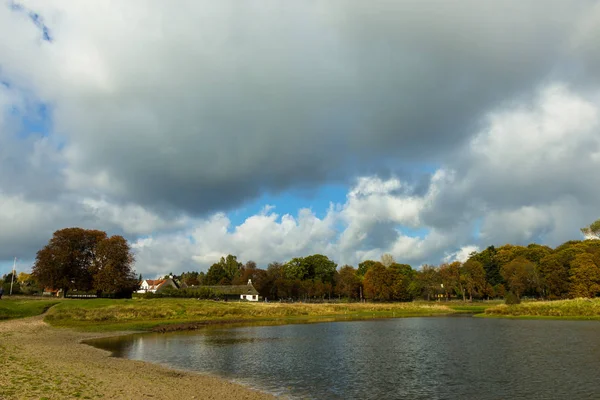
88	260
570	270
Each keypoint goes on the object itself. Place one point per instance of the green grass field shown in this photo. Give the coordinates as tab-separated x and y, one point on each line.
143	314
11	308
558	309
146	314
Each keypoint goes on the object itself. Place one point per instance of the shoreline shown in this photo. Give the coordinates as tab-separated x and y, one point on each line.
41	361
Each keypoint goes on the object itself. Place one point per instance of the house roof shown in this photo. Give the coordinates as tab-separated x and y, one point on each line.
233	289
154	284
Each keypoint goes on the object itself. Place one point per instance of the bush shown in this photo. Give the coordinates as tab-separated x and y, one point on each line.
195	293
511	298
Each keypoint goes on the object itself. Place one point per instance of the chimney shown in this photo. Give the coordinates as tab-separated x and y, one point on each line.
249	281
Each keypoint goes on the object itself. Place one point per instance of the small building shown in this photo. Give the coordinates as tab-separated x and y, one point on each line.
156	285
236	292
51	292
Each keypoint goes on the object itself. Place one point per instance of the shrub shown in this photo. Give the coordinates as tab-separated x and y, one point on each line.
511	298
195	293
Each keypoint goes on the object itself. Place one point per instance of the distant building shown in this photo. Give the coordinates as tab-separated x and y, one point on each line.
51	292
236	292
156	285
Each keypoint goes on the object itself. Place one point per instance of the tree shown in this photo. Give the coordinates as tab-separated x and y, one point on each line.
320	267
216	275
555	270
376	283
81	259
364	266
67	261
592	231
518	274
232	266
27	283
6	281
296	268
450	280
473	276
499	290
429	281
224	272
347	283
190	278
585	276
401	277
490	264
114	267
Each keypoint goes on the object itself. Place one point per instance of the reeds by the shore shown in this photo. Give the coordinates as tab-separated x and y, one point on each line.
575	308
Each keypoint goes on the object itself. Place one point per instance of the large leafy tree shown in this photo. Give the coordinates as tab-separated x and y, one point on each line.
113	269
473	277
78	259
68	260
377	283
401	277
429	281
321	268
347	283
297	268
224	272
521	275
490	264
585	276
450	280
364	266
216	275
555	269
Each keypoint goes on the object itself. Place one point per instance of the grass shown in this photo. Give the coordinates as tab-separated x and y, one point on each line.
144	314
473	307
558	309
20	307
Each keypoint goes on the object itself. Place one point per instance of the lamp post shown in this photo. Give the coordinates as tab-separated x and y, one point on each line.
12	279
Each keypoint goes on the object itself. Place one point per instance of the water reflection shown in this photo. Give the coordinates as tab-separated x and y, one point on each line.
416	358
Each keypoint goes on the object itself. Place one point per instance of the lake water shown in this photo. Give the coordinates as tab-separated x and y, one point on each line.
409	358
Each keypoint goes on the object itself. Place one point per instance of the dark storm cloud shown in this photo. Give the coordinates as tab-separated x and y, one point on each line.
203	113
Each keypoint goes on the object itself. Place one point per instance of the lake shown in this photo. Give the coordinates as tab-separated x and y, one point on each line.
408	358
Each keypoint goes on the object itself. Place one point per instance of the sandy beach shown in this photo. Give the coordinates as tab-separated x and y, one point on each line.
42	362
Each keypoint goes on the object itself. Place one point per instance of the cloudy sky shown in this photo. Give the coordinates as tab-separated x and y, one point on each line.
270	129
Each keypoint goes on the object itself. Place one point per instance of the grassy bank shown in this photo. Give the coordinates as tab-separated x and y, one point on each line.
559	309
11	308
144	314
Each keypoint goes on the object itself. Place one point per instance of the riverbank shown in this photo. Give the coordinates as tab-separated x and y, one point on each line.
102	315
587	309
42	362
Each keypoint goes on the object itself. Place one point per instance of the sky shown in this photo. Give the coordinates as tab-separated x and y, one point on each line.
271	130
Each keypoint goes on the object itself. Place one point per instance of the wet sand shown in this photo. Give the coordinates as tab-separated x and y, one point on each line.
41	362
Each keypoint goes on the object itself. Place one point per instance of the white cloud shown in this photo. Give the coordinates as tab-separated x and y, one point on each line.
462	254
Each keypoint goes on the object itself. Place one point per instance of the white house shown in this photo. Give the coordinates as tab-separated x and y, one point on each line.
156	285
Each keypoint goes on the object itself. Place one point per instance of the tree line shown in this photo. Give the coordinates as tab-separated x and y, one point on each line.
567	271
89	260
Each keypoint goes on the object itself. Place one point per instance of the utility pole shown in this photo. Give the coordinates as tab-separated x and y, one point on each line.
12	280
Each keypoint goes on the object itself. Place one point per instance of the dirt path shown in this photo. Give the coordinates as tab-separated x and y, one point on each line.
41	362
